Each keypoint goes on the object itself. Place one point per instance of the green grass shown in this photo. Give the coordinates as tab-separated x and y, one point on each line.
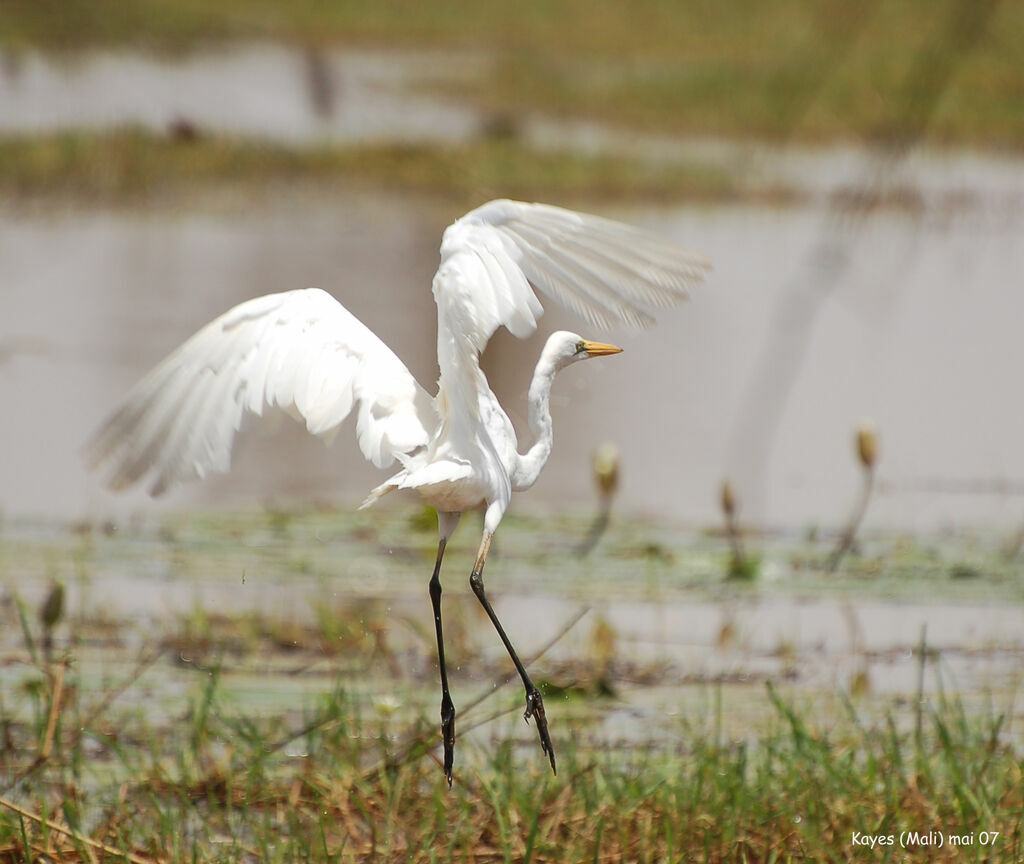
805	69
264	735
785	71
132	165
334	784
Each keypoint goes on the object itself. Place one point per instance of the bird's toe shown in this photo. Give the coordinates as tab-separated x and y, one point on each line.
535	709
448	735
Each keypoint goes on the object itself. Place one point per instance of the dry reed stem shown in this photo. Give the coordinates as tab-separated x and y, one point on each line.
90	844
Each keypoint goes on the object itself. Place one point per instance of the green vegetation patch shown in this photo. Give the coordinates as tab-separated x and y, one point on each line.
226	734
949	70
131	165
87	781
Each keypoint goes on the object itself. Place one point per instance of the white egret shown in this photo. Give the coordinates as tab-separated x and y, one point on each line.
303	352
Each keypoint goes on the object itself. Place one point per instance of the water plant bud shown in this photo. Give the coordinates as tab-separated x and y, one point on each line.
867	444
606	467
53	606
728	500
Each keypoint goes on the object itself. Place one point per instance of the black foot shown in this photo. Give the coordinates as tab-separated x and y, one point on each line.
535	709
448	735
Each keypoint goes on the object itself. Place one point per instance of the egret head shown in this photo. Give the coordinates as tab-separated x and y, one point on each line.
564	348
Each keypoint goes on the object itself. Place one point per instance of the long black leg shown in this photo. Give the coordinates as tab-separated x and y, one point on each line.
447	708
534	703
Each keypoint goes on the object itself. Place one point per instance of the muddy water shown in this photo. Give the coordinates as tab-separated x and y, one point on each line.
816	316
677	636
304	97
762	377
265	91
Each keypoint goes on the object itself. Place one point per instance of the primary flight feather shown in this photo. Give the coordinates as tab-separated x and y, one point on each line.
304	353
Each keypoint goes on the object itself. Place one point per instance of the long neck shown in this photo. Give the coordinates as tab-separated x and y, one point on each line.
529	464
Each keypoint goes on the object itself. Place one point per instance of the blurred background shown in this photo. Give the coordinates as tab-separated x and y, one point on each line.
793	509
853	170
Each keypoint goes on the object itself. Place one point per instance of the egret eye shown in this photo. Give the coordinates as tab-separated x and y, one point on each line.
581	347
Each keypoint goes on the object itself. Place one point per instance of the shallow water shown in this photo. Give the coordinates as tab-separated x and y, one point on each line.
303	97
762	377
263	598
266	91
888	290
817	315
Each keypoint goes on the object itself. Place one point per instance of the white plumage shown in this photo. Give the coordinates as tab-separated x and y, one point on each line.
302	352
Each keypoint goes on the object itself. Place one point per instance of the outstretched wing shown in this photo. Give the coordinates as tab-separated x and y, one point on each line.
301	351
604	271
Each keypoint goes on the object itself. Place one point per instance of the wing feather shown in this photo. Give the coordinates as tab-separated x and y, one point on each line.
304	353
300	351
581	283
602	270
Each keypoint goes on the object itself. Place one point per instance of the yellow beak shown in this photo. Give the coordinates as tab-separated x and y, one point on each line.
599	349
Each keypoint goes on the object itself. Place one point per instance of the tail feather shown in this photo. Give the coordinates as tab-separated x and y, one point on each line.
380	491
